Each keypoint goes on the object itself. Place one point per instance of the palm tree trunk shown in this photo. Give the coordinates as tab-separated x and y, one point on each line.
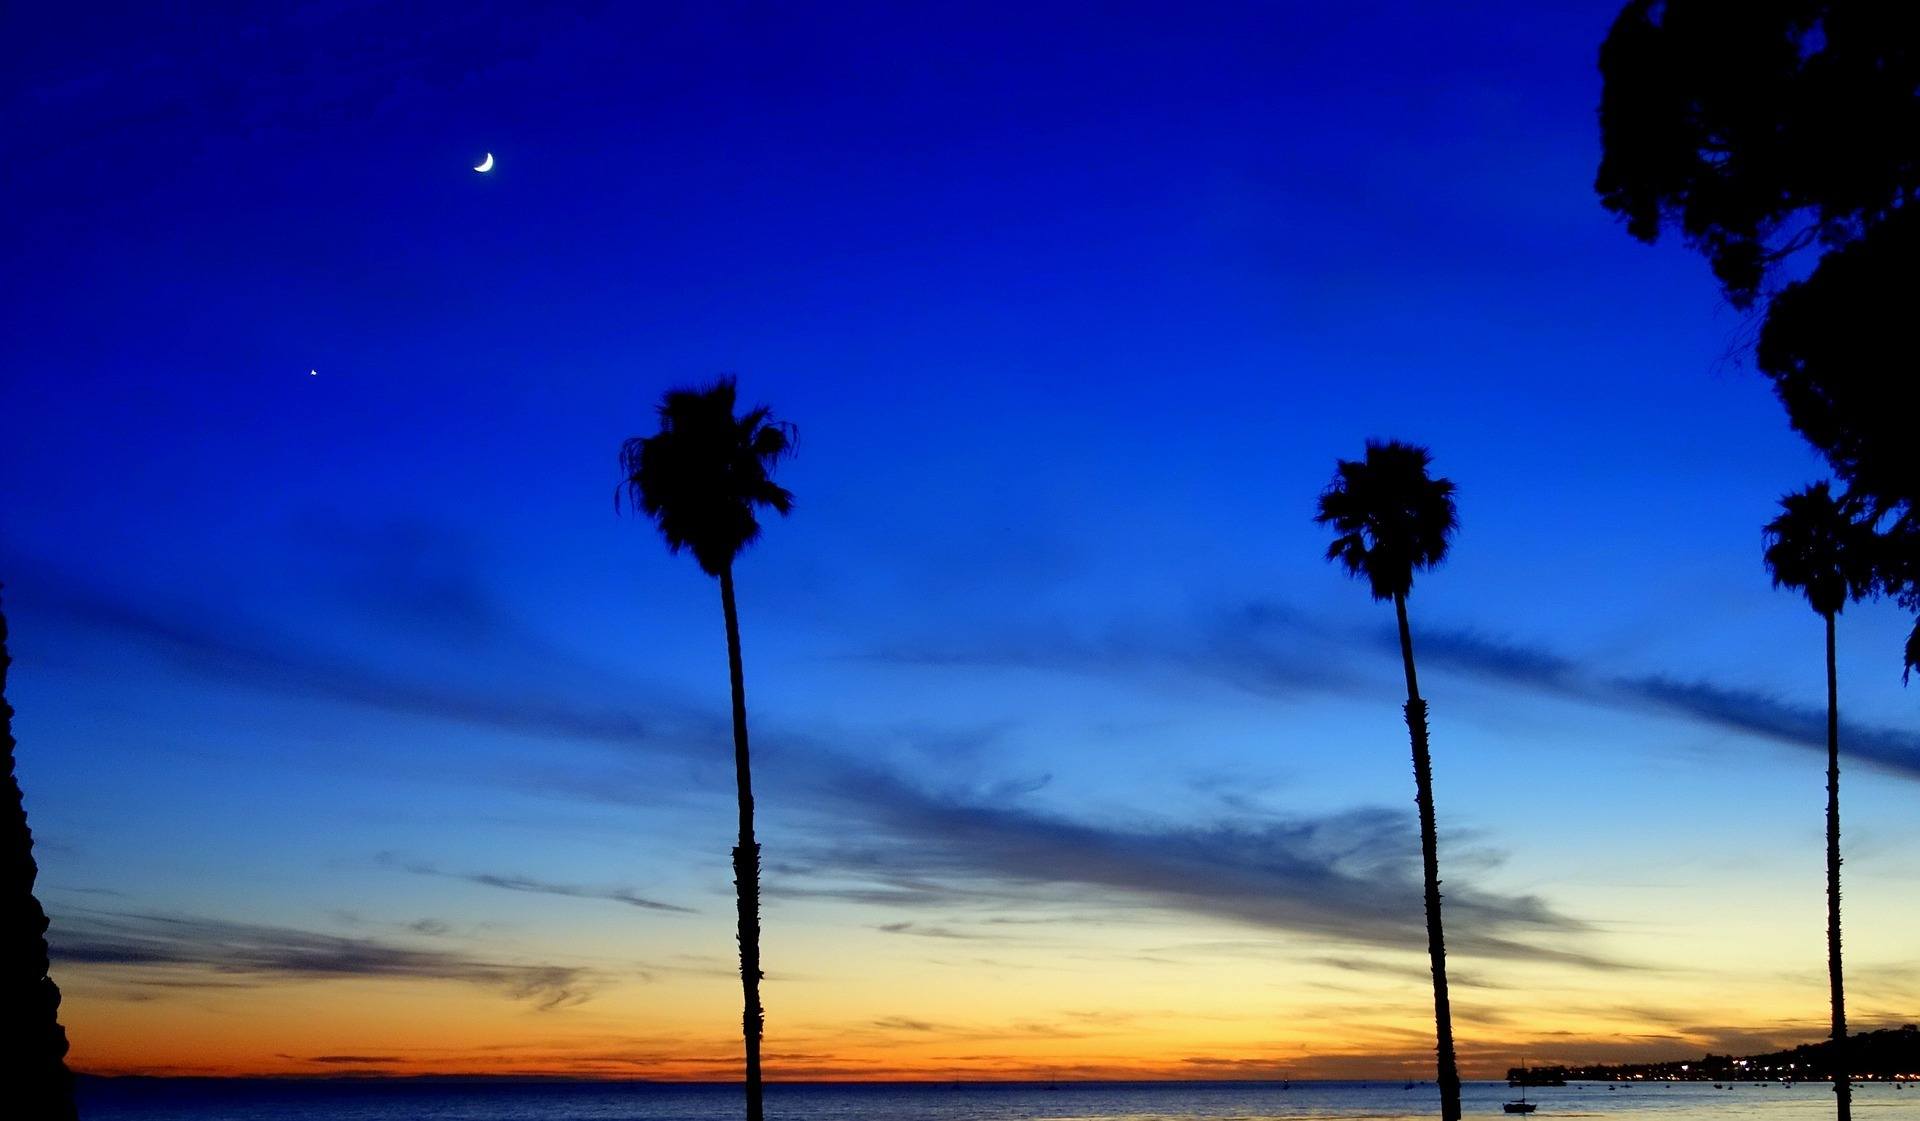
1449	1071
33	1067
1842	1091
746	859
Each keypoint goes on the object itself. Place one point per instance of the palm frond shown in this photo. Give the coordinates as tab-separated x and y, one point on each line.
702	476
1824	547
1393	518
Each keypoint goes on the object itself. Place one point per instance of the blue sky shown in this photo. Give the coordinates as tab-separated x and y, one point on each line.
1074	310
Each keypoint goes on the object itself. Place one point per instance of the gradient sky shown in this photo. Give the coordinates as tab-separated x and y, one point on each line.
359	733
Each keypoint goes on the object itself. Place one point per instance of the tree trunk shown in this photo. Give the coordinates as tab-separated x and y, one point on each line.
1842	1091
1449	1071
746	860
33	1047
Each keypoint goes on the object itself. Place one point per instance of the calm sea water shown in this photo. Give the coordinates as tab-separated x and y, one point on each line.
141	1100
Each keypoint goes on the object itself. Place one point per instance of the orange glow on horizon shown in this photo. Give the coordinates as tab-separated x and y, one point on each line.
390	1028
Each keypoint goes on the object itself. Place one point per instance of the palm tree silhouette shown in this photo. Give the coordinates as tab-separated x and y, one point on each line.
1392	518
33	1047
1825	548
701	478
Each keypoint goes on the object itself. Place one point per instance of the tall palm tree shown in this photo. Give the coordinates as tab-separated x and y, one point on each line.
702	478
1825	548
33	1047
1393	518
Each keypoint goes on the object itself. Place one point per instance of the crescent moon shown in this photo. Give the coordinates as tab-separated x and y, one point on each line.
486	164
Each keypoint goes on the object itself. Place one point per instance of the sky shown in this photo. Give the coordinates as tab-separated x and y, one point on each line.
359	732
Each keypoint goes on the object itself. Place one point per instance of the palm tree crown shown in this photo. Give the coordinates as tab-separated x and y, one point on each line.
702	476
1391	516
1822	546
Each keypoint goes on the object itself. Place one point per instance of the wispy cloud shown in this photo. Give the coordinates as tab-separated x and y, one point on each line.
1420	973
1269	649
179	951
1769	717
531	885
355	1060
952	1033
1746	711
1259	647
223	652
905	1023
1349	876
922	930
1474	653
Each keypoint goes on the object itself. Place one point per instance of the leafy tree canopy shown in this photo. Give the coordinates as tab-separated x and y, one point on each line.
1761	128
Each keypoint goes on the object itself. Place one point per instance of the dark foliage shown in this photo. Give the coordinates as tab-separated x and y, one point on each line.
1840	348
702	478
1826	548
703	474
1823	547
1761	128
1392	518
33	1047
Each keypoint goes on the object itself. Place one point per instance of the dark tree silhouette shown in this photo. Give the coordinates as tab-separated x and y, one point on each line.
1824	548
1835	345
33	1046
1761	130
1393	518
702	478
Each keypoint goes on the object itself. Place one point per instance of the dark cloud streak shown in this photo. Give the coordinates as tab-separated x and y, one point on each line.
1347	876
170	944
1270	650
533	886
1740	710
220	648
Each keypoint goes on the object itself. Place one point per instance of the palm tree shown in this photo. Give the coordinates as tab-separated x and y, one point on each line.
1392	518
701	478
33	1067
1825	547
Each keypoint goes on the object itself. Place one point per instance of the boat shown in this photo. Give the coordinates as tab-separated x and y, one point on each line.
1523	1105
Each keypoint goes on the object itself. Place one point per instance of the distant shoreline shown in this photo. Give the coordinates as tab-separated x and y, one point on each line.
1887	1055
374	1077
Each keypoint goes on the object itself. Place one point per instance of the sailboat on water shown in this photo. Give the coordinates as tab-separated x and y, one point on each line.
1523	1105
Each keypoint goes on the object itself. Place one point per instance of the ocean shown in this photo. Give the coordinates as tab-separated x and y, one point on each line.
377	1100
